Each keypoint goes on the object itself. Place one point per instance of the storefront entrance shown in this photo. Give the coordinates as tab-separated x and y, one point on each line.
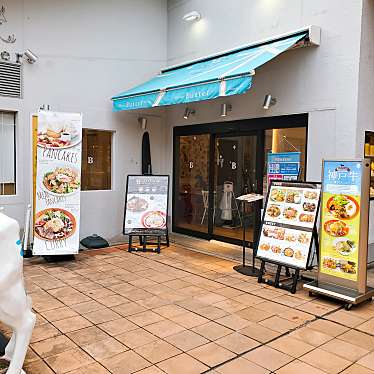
216	163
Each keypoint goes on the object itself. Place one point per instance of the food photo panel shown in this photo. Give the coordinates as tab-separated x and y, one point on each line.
146	203
288	222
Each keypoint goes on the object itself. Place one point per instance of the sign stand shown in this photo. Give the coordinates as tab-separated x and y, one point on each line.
146	210
289	284
251	271
143	241
342	272
288	231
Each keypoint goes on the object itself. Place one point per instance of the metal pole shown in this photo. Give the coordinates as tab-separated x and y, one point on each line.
243	233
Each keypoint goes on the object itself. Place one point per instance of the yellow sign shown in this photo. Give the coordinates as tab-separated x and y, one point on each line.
340	220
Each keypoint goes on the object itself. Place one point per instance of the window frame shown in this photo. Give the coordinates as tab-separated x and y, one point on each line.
112	161
10	198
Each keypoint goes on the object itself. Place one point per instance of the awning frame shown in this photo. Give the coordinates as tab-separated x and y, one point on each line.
216	87
313	39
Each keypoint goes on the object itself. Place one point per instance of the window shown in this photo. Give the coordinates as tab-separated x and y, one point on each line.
96	160
292	139
7	153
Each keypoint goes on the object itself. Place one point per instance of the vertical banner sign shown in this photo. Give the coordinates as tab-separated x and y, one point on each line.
146	206
58	173
283	166
34	125
340	219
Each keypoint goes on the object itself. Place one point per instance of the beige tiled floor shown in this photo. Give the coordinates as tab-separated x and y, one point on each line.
184	312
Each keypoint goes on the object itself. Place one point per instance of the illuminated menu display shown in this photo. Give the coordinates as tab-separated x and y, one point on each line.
340	219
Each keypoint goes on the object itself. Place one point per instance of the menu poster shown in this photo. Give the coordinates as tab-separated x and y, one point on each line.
340	219
146	207
283	166
288	222
57	184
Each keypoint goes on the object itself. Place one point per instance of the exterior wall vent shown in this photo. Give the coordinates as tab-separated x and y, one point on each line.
10	79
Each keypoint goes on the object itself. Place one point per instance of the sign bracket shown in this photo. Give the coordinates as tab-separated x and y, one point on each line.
289	284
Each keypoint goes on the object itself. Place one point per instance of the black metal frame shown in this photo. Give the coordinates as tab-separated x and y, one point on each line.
254	126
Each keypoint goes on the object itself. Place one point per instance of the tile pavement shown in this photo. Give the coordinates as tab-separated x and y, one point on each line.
184	312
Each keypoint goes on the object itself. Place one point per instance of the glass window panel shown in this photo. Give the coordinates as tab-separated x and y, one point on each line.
96	160
8	156
285	140
235	175
192	181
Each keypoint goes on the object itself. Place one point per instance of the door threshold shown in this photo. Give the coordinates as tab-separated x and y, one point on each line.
225	244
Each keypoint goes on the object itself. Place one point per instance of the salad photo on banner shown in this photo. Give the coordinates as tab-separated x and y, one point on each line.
57	183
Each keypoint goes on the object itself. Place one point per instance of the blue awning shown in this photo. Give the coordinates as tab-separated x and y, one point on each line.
225	75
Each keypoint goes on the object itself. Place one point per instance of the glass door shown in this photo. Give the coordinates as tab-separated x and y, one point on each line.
191	183
236	172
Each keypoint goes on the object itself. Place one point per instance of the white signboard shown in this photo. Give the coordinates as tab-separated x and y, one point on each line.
288	223
58	182
146	203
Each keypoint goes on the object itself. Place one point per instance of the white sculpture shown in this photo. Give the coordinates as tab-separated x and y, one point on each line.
15	305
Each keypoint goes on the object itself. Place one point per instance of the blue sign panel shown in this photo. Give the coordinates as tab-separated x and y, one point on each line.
283	166
342	177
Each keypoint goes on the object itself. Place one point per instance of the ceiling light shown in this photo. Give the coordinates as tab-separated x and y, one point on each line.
192	16
188	112
225	108
269	101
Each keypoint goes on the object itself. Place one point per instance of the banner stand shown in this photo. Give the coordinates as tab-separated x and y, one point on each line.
144	242
288	231
250	271
342	272
57	143
289	284
59	258
146	210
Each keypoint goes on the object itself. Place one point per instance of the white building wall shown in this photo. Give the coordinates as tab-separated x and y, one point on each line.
88	51
321	81
365	117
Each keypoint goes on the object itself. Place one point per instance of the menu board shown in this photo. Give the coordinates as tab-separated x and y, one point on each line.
283	166
340	219
57	183
289	219
146	207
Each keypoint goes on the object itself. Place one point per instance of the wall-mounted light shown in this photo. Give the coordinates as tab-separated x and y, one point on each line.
142	122
193	16
225	108
28	55
269	101
188	112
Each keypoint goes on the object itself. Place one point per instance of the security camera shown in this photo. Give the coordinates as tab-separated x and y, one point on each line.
30	57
